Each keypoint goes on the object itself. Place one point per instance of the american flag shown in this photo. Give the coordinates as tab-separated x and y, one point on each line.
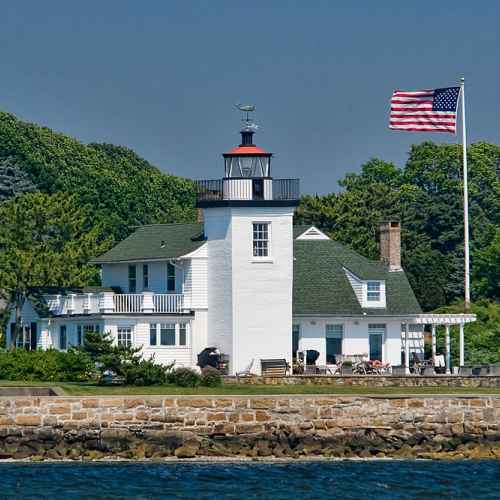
433	110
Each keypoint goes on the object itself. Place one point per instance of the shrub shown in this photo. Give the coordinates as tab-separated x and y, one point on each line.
49	365
145	372
184	377
210	377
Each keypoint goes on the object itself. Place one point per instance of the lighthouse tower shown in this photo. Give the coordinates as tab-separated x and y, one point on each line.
248	217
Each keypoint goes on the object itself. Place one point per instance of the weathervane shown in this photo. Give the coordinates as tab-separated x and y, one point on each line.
248	123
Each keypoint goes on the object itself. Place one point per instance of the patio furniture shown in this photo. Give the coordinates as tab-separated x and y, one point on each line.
440	366
247	371
274	367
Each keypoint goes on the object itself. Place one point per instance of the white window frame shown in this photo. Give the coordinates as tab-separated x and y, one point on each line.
377	291
83	328
125	327
177	329
381	302
262	258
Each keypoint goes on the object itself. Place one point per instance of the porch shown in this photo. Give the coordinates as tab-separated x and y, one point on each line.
113	303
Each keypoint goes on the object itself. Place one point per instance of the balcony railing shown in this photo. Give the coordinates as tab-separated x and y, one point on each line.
168	302
110	302
242	188
128	303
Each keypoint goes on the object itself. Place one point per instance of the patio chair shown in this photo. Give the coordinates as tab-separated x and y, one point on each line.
247	371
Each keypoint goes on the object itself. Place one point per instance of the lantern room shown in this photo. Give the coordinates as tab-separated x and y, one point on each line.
247	177
247	160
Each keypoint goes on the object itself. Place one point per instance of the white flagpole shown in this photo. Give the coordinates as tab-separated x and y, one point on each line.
466	201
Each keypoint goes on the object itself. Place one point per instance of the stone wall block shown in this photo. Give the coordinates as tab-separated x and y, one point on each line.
28	420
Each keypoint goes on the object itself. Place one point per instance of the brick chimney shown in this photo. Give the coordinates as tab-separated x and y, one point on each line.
390	243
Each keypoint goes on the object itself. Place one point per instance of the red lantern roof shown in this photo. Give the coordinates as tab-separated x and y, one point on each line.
250	149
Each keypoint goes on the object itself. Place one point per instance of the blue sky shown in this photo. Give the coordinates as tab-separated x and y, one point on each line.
161	77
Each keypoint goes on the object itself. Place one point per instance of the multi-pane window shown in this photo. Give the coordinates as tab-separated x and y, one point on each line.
168	334
170	277
373	291
24	337
261	239
81	330
124	336
132	278
153	337
145	276
334	335
63	338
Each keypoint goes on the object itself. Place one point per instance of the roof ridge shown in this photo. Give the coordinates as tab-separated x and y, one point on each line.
171	224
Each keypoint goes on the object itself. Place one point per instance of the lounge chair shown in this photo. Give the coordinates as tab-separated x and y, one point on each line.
247	371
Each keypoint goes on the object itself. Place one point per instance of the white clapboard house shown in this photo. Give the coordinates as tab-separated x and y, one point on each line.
244	280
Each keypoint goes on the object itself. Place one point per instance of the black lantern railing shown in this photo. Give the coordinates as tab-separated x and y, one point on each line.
282	189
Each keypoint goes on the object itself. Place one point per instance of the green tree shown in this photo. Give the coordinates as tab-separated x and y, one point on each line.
45	240
123	189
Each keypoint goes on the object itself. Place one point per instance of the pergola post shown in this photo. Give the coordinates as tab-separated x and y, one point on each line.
448	350
433	344
462	353
407	349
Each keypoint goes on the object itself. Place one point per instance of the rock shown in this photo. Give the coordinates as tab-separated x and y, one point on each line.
188	450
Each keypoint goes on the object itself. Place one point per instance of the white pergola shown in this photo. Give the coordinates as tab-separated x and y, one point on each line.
447	320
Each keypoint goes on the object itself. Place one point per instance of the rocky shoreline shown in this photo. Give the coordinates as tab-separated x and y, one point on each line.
249	428
46	444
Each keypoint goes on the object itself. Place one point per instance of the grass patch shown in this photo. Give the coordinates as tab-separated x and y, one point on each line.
82	389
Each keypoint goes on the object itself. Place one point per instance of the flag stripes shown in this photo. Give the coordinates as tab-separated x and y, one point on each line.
431	110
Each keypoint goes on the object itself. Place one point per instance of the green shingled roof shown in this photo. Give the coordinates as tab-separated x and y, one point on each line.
320	286
158	241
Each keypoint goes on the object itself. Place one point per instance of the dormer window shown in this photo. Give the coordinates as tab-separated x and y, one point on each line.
373	291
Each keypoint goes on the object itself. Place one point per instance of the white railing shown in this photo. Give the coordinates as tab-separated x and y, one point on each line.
127	302
168	302
109	302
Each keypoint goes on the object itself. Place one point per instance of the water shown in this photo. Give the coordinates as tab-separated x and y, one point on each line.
222	480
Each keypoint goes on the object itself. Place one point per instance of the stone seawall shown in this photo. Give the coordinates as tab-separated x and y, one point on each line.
275	426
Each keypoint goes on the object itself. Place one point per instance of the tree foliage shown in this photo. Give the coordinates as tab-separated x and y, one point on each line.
427	195
45	240
123	189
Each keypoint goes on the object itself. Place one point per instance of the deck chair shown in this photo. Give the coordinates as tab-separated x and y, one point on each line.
247	371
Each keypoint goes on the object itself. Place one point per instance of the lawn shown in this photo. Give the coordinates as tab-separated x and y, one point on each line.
74	389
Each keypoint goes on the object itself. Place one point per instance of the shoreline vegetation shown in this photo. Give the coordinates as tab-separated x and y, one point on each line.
82	389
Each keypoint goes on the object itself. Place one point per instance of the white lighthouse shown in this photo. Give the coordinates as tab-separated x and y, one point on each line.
248	219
